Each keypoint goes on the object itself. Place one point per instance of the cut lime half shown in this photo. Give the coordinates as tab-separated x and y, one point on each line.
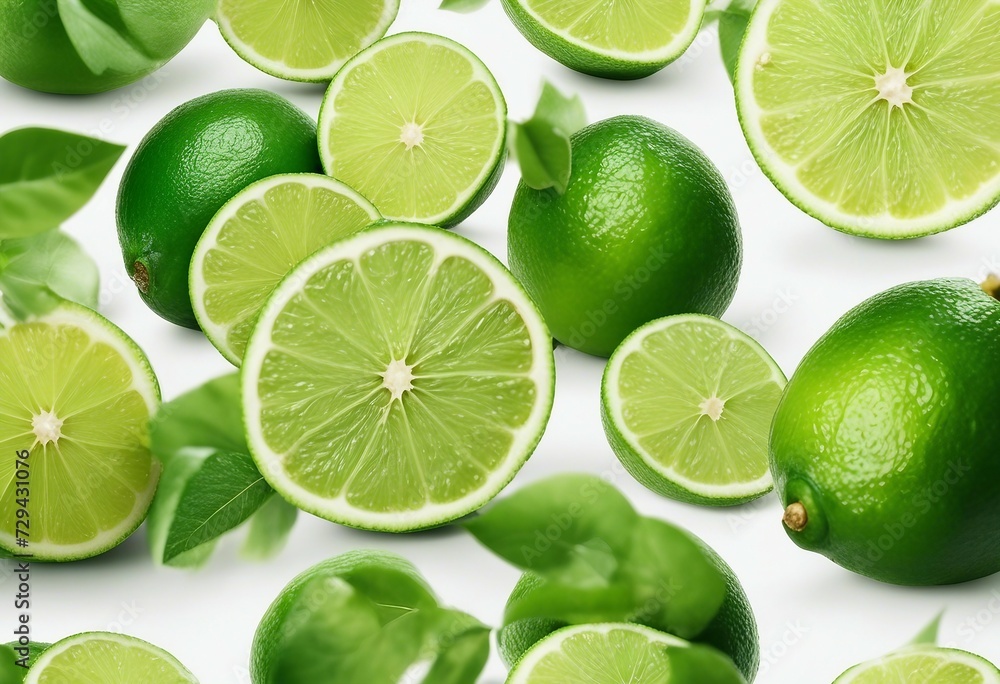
303	40
876	117
618	653
256	239
106	658
77	394
620	40
416	123
396	380
687	403
924	665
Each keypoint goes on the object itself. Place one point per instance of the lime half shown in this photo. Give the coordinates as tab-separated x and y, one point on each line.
687	404
620	40
924	665
620	654
396	380
106	658
416	123
257	238
303	40
77	394
877	117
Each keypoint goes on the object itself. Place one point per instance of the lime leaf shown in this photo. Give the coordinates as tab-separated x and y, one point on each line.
209	417
46	176
565	114
544	154
269	529
463	647
38	272
733	22
702	664
929	634
100	45
463	5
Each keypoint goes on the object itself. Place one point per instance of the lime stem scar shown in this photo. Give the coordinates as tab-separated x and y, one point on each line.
796	517
991	285
140	276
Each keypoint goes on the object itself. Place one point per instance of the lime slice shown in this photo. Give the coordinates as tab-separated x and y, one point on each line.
303	40
106	658
77	394
687	403
416	123
924	665
878	118
396	380
621	40
257	238
620	654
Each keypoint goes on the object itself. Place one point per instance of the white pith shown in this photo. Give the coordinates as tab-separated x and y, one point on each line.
47	427
398	378
57	649
892	87
412	135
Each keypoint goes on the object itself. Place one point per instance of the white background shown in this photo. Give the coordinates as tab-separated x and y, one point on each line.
799	277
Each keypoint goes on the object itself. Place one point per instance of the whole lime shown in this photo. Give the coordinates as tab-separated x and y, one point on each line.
884	446
733	631
645	229
98	46
190	164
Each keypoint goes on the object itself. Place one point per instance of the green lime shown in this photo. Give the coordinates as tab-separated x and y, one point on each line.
107	658
188	166
102	46
256	239
924	665
687	403
620	40
884	444
617	653
76	399
856	109
426	150
15	656
303	40
733	631
646	229
396	380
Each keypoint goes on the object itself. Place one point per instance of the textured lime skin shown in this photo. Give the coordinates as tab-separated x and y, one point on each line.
186	168
733	631
646	229
887	435
36	52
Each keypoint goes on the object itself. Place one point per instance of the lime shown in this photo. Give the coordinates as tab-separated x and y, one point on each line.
303	40
77	395
687	403
646	229
855	109
107	658
416	123
189	165
396	380
924	665
617	653
15	658
884	444
256	239
621	40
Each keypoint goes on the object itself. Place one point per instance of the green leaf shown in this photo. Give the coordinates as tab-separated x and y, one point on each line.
269	529
46	176
102	41
565	114
929	634
209	417
544	154
463	645
38	272
733	22
702	664
463	6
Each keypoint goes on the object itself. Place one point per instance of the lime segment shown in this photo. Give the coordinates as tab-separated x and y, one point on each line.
396	380
77	394
258	237
105	658
924	665
303	40
687	405
415	123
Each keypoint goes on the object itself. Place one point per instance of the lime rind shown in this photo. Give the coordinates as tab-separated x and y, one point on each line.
283	70
755	51
899	666
637	459
604	62
144	382
445	245
54	652
478	189
218	333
